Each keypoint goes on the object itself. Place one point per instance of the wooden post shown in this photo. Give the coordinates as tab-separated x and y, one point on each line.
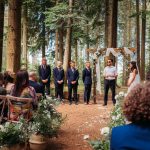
94	81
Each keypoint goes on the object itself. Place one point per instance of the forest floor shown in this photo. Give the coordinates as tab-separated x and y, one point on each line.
81	120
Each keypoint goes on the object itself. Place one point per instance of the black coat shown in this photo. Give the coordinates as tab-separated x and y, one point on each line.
45	73
87	76
72	76
58	75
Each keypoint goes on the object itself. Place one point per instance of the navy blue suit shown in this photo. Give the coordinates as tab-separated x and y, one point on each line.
72	75
87	80
37	86
131	137
58	76
45	73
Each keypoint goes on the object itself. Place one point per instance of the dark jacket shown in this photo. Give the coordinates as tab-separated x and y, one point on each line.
131	137
45	73
58	75
87	76
37	86
72	76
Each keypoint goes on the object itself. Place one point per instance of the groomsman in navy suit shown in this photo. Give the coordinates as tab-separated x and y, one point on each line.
58	73
87	80
45	75
72	80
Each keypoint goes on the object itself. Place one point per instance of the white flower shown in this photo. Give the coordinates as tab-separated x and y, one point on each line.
2	128
86	137
118	116
105	131
116	97
7	124
121	93
113	117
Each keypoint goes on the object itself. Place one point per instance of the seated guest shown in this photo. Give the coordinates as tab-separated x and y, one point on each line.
21	87
33	83
2	89
58	73
8	80
134	136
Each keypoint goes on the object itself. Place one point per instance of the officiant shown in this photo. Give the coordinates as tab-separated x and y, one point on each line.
110	76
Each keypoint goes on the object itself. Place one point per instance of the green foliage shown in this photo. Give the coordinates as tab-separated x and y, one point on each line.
142	14
46	121
100	145
116	119
13	133
56	15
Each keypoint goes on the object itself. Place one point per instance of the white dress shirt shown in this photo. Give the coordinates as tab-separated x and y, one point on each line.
110	73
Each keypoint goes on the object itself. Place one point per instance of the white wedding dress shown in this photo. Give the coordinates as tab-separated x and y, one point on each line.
135	81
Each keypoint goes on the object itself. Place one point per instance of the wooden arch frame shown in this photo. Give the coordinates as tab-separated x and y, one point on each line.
102	52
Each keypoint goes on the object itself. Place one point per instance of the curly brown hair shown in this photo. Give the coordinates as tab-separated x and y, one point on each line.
136	107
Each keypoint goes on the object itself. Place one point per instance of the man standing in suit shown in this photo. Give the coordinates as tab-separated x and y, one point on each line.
58	73
87	80
110	75
45	75
72	80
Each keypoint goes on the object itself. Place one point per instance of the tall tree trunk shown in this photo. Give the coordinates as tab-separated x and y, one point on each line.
76	51
67	53
114	23
25	34
43	30
14	35
2	8
142	70
129	22
56	46
61	44
107	14
87	40
138	34
111	24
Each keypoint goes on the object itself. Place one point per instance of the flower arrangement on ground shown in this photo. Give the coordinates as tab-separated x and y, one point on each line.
13	133
116	119
46	121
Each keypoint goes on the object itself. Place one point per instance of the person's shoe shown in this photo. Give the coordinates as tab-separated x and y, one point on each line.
76	103
70	103
104	104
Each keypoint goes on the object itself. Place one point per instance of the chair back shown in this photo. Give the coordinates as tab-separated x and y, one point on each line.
3	100
39	96
19	107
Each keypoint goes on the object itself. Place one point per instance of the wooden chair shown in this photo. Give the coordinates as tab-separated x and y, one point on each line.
39	96
19	107
3	100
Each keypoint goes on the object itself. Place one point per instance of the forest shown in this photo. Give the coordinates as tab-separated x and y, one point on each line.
64	30
51	44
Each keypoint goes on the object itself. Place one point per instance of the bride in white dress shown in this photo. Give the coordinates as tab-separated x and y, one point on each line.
134	77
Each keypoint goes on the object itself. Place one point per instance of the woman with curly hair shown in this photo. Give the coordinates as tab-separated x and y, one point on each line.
136	109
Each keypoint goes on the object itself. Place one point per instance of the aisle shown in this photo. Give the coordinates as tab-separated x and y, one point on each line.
81	120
